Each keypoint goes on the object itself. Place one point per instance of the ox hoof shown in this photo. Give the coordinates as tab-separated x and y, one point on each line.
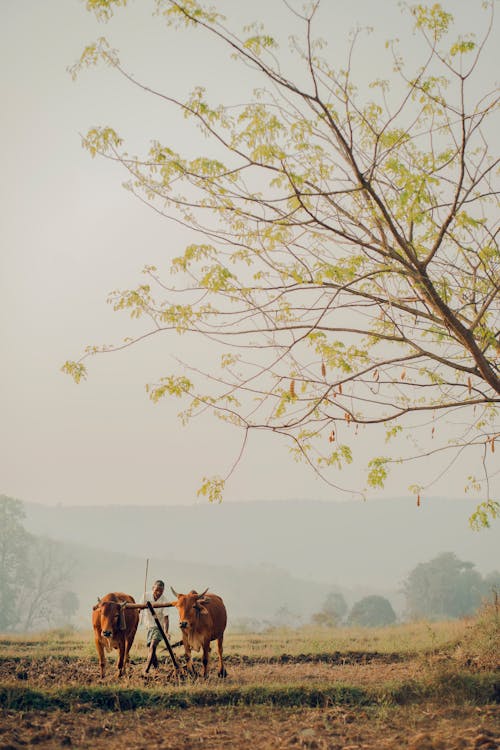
222	673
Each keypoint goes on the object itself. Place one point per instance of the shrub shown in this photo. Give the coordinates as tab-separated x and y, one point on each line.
372	611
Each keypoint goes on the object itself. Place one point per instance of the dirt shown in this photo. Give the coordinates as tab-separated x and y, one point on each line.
420	726
51	672
258	728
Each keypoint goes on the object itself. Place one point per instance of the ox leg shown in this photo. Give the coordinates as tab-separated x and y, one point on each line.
128	646
187	654
100	654
125	659
222	670
121	658
206	651
129	641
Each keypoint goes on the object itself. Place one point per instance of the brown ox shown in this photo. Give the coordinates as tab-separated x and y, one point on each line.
201	619
114	627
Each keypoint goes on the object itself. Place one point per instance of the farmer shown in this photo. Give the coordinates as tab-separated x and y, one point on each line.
153	636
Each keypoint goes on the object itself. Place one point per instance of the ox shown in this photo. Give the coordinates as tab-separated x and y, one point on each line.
114	627
201	619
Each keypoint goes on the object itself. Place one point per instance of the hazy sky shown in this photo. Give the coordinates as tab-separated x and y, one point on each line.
70	234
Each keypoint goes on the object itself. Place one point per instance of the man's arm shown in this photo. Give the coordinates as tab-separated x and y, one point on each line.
165	624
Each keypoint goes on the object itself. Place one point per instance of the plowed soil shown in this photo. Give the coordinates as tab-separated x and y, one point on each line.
450	724
50	672
428	728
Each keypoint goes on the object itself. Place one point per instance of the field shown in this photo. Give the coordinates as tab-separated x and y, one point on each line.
423	686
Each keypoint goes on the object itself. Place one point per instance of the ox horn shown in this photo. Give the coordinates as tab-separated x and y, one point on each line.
98	599
203	594
174	592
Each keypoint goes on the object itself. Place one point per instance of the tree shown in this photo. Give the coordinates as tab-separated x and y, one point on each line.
285	618
445	587
68	605
372	612
14	541
50	571
491	584
345	262
333	610
34	571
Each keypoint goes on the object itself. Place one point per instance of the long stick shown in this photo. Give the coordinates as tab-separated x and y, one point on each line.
162	633
146	578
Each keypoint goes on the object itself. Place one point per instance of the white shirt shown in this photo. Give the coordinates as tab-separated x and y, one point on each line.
147	617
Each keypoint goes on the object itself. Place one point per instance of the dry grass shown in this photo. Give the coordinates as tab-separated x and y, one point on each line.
480	645
405	639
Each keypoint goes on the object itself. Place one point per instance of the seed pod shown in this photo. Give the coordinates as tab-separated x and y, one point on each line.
492	445
331	436
418	501
292	388
323	369
403	375
340	387
469	385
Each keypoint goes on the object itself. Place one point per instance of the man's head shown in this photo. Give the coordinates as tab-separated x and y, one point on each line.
158	588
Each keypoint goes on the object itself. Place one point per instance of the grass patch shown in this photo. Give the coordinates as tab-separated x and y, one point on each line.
335	657
407	639
480	646
113	699
452	688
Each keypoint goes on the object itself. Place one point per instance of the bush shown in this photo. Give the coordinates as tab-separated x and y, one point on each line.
372	611
480	646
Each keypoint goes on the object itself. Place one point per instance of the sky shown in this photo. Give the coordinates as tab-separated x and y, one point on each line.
69	234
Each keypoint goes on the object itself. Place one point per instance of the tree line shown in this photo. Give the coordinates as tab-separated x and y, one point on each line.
440	589
35	575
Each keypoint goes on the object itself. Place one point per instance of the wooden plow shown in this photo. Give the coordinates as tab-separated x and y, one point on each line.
152	608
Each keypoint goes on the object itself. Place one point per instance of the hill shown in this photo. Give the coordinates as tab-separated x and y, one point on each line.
263	556
261	594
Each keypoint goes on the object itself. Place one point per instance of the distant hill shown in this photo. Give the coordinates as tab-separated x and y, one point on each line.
256	593
369	545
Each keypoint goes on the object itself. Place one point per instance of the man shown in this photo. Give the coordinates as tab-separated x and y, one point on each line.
153	636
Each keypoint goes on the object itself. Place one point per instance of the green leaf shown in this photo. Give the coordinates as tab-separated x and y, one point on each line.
76	370
485	511
213	488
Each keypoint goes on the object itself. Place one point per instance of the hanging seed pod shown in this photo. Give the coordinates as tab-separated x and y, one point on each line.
469	385
323	369
331	436
403	375
292	388
340	387
418	501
